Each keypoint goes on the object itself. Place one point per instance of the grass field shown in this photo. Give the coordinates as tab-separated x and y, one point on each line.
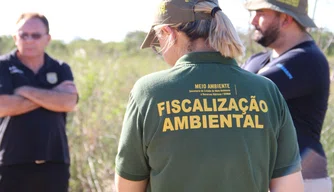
104	75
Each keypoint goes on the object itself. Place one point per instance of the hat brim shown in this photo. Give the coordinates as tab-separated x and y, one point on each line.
149	40
304	20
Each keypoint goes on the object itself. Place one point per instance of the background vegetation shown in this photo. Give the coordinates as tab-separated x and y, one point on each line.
104	75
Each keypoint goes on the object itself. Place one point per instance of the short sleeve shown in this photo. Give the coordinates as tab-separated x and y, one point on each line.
288	158
131	159
6	86
66	72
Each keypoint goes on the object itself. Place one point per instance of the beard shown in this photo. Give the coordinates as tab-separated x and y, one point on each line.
267	36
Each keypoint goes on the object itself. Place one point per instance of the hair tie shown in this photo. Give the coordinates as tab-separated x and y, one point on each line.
214	11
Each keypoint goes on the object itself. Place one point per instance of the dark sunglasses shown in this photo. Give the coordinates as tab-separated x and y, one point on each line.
155	45
34	36
156	49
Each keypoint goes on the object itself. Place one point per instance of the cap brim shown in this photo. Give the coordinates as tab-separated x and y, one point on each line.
253	6
149	40
304	20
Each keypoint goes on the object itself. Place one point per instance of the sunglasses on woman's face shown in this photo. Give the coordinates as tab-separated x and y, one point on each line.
34	36
156	49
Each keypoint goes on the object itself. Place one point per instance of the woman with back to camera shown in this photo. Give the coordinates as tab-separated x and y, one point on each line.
205	124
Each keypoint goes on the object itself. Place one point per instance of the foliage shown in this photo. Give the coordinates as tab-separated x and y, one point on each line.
6	44
325	40
104	74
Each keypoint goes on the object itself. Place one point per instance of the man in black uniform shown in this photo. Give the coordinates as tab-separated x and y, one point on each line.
36	91
301	72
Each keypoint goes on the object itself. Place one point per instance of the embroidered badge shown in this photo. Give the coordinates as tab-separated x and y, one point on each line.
14	70
162	9
52	77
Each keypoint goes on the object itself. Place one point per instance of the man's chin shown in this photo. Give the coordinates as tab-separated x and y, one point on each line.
261	42
257	38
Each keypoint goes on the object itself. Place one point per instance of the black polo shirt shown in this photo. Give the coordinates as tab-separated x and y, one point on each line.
39	134
302	75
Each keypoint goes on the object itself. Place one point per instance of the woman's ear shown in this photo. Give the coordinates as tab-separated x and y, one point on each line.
169	31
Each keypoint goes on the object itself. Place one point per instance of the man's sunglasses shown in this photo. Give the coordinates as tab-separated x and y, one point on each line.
34	36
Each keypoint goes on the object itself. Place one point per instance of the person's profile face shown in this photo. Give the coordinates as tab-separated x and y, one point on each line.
31	37
166	45
267	26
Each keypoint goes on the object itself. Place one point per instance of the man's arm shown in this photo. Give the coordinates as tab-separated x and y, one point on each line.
289	183
11	105
124	185
62	98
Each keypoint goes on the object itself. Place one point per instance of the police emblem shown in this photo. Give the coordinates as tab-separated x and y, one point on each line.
52	77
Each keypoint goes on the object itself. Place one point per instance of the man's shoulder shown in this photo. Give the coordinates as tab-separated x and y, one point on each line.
55	62
5	61
305	55
257	61
259	58
6	57
306	50
260	55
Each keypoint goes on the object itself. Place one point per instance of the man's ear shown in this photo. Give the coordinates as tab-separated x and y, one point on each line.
14	37
49	38
286	20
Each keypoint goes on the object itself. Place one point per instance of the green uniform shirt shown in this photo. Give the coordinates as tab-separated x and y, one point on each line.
206	125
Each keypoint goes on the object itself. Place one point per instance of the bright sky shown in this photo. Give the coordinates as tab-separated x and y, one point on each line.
111	20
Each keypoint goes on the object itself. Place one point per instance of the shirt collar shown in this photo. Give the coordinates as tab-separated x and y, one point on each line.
17	61
205	58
